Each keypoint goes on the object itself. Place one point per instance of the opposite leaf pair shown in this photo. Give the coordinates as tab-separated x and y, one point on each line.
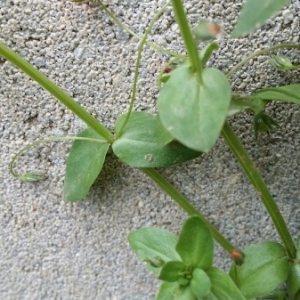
138	146
185	265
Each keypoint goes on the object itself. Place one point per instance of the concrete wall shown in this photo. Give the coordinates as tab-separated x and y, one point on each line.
53	250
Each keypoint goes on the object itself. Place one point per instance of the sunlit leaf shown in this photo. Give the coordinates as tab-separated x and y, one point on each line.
193	112
265	267
222	286
84	164
195	245
138	145
172	271
288	93
254	13
173	291
200	283
153	242
162	134
293	281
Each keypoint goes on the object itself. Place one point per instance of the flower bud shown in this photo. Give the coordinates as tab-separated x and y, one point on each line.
32	177
281	63
206	30
237	256
168	70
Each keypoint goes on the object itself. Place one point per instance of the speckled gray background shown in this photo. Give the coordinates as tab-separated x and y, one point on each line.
53	250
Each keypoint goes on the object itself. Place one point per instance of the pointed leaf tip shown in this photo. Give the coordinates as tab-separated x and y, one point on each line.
84	164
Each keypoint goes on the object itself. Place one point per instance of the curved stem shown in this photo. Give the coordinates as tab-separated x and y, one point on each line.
154	46
258	53
186	206
249	168
58	93
136	73
52	139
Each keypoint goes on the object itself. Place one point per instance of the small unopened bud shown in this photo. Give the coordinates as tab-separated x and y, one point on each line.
281	63
32	176
206	30
237	256
155	262
168	70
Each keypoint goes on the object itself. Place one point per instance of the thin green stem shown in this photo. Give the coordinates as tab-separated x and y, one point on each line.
52	139
258	53
187	36
186	206
154	46
56	92
249	168
136	73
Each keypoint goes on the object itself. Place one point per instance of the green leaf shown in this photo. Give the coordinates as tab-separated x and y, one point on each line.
276	295
265	267
153	242
173	291
165	78
194	113
241	103
206	52
163	136
254	13
200	283
222	286
293	281
84	164
195	245
172	271
138	146
289	93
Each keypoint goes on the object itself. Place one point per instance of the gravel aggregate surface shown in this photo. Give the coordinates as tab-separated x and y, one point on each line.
53	250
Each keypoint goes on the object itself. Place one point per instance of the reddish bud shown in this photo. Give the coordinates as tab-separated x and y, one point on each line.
213	28
168	70
206	30
237	256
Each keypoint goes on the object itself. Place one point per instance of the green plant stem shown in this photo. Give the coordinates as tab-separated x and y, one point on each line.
154	46
56	92
186	206
52	139
258	53
249	168
187	36
136	72
297	295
